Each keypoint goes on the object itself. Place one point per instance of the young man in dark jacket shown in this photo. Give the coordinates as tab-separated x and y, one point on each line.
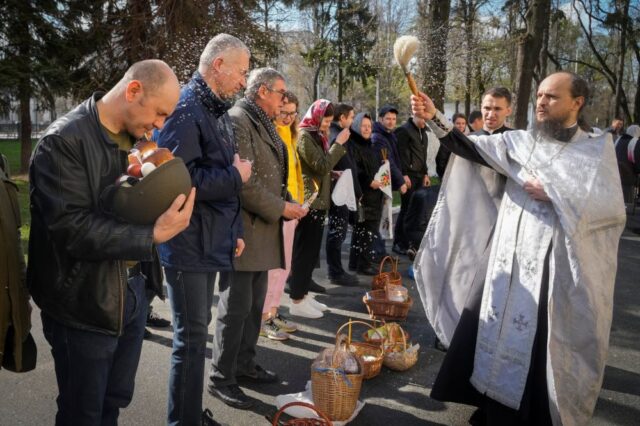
384	139
413	140
92	315
200	133
339	215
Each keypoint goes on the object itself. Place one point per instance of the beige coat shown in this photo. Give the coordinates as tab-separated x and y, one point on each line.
263	196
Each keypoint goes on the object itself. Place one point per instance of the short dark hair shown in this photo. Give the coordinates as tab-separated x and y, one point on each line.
458	115
340	110
330	111
499	92
291	98
474	116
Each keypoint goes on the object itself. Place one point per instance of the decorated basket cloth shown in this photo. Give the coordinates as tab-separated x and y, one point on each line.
323	420
379	281
403	359
336	392
381	308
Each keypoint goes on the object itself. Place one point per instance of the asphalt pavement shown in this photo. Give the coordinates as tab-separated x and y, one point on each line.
392	398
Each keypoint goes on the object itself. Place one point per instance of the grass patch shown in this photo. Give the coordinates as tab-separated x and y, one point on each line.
11	149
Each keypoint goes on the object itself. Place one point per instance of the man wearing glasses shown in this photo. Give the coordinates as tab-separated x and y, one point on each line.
265	204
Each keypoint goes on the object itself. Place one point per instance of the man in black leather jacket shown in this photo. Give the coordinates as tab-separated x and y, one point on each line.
92	315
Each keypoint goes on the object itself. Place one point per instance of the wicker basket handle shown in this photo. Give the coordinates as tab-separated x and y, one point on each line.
397	326
358	322
276	417
390	259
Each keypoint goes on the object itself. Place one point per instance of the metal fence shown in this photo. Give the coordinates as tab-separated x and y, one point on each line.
12	130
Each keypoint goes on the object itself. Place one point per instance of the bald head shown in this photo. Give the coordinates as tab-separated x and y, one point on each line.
152	74
141	101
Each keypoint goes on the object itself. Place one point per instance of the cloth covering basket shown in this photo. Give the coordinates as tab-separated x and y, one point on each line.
335	392
399	360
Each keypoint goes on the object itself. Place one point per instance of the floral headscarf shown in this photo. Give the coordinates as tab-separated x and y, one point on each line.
313	118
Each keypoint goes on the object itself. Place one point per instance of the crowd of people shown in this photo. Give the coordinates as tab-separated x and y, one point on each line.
262	192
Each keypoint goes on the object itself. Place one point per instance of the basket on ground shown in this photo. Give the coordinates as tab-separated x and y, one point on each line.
402	359
336	392
381	337
379	281
381	308
371	354
323	420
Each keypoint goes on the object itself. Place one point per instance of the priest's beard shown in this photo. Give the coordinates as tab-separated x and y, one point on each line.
550	127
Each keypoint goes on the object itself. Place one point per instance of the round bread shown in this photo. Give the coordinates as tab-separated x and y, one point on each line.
143	203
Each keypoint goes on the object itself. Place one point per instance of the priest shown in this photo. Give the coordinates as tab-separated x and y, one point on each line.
516	274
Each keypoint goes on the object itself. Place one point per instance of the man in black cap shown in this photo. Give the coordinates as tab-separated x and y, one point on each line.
384	138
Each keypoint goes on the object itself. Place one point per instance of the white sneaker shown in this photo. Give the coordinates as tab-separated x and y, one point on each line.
304	309
315	304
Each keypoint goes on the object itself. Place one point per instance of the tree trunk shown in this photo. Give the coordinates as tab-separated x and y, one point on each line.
621	56
435	16
636	103
25	128
340	44
537	19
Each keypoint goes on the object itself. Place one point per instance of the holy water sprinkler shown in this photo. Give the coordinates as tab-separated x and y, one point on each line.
403	50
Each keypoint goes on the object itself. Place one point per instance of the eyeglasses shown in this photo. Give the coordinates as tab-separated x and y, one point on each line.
282	93
288	114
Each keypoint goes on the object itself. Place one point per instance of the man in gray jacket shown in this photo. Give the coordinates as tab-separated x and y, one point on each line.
264	205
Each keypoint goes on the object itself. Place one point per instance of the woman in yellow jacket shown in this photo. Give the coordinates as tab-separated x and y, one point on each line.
274	325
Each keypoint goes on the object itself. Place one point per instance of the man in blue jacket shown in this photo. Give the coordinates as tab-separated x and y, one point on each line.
200	132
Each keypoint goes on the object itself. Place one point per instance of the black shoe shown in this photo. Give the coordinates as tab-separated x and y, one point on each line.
147	334
315	287
398	250
231	395
439	346
411	253
260	376
352	267
207	418
344	279
155	320
368	270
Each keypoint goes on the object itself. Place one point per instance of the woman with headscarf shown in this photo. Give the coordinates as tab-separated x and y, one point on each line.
317	161
368	160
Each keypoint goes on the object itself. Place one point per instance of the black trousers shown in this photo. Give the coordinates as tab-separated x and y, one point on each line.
362	252
400	238
336	234
306	252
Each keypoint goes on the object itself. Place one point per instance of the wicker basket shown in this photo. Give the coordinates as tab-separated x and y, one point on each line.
381	308
400	361
379	281
371	368
366	338
335	392
322	421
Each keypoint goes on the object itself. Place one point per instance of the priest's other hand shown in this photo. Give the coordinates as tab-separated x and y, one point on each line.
422	106
403	189
535	190
426	180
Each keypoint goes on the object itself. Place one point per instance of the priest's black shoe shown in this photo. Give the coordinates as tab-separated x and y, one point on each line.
344	279
260	375
231	395
207	418
368	270
315	287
